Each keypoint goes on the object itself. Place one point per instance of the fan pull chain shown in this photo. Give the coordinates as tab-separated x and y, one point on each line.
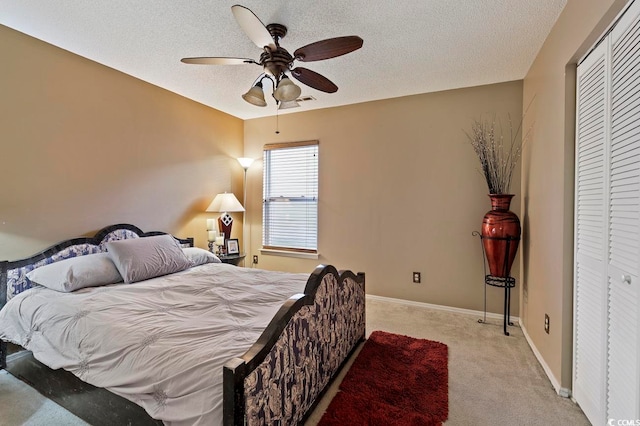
277	126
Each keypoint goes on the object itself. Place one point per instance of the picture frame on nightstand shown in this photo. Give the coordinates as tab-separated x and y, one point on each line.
232	246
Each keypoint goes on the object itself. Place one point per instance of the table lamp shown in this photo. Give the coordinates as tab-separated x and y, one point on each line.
225	203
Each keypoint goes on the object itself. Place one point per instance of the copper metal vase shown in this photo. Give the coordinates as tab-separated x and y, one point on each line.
500	229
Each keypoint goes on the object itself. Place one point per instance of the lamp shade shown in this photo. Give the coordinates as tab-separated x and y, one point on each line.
289	104
245	162
226	202
255	96
287	90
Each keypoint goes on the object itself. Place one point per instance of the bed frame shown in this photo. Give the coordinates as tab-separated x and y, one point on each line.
278	381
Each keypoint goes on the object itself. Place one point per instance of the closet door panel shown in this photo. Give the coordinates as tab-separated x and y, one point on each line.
623	372
591	238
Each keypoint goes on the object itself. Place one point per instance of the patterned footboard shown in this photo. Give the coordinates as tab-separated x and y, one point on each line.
279	379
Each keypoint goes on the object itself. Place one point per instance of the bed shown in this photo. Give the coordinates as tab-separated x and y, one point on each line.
209	344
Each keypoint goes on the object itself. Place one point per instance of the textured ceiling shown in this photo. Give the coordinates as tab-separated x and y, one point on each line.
410	46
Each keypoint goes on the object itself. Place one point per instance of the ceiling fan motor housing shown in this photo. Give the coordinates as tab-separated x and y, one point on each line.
277	31
276	61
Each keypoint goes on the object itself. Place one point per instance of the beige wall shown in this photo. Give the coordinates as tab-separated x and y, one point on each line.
399	192
84	146
548	181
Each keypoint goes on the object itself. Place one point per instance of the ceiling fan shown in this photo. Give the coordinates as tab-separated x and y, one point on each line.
277	61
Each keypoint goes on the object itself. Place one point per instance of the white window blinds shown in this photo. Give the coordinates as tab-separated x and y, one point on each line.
290	197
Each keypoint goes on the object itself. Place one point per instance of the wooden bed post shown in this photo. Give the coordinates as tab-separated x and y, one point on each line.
3	301
362	278
233	375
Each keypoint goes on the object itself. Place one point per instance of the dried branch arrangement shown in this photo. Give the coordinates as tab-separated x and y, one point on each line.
498	158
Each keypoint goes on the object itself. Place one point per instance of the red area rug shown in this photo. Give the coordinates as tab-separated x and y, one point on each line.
395	380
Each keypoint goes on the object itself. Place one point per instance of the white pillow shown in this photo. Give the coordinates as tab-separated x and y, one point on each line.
200	256
76	273
139	259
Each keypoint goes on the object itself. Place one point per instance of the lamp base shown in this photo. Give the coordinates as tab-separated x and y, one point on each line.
225	222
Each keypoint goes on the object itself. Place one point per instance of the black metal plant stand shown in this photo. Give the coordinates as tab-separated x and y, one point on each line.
506	282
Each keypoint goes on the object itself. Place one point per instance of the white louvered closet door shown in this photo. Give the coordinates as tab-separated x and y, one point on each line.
623	379
607	262
591	222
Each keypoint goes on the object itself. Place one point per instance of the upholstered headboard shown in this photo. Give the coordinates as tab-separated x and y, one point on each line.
13	278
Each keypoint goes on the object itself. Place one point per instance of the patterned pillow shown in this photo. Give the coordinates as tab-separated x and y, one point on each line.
144	258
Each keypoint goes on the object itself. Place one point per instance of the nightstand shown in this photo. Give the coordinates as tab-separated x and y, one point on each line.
233	259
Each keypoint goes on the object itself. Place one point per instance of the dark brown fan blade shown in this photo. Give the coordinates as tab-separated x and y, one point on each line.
217	61
313	79
329	48
252	26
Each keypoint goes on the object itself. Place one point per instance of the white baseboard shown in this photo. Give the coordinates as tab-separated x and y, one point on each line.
490	315
564	392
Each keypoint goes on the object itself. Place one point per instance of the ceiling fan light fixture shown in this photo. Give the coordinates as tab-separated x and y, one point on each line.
289	104
275	60
255	95
287	90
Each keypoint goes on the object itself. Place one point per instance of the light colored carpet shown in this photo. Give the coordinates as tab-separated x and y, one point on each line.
493	379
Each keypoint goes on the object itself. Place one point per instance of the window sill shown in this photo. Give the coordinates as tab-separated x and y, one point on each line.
285	253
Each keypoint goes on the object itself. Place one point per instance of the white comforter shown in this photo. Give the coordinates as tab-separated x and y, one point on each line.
160	343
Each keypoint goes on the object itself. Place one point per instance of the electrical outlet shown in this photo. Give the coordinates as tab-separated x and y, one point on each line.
546	323
416	277
255	259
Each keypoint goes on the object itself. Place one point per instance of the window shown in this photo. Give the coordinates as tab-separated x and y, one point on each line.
290	197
